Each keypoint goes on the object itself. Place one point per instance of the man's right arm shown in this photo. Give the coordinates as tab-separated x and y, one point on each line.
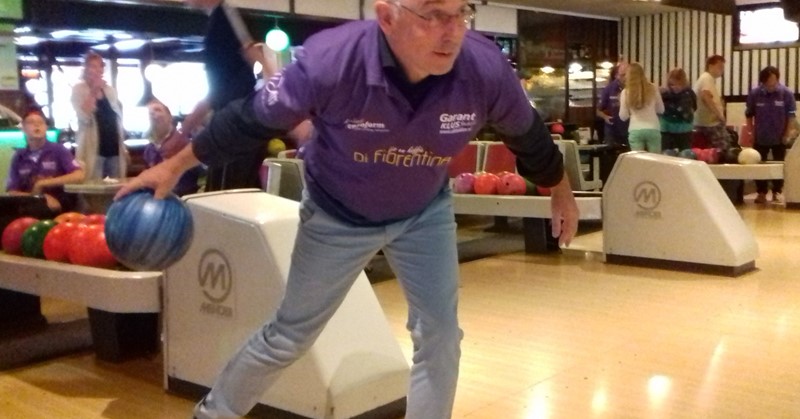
162	177
234	131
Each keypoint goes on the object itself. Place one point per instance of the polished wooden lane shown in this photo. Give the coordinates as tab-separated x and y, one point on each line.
546	337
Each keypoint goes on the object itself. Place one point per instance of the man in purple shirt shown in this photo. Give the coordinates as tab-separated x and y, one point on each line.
165	142
771	109
392	101
616	130
42	167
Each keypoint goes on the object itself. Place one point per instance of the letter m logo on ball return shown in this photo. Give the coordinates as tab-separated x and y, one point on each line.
647	195
216	282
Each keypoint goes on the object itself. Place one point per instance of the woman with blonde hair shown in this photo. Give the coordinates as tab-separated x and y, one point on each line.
100	137
641	102
680	102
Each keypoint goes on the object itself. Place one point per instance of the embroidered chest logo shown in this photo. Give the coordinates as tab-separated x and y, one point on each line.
454	123
365	126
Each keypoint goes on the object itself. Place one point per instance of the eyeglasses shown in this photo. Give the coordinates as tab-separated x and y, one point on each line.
439	19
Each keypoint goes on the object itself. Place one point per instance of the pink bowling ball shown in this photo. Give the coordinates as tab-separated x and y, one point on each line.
464	183
712	156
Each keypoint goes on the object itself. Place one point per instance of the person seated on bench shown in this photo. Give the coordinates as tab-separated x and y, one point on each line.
42	167
165	142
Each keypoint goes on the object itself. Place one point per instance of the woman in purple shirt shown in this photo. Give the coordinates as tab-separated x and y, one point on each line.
42	167
770	116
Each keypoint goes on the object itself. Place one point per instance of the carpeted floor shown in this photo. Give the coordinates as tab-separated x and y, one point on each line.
56	339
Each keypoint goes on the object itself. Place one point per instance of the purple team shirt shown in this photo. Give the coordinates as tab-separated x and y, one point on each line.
28	166
609	103
375	158
771	111
156	153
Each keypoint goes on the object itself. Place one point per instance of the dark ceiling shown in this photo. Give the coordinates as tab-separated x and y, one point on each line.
161	31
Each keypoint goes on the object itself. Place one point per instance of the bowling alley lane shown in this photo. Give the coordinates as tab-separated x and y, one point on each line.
570	336
546	336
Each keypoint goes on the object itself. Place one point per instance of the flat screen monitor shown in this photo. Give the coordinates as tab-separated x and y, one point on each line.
765	25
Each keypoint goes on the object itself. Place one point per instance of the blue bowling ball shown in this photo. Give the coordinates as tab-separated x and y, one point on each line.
670	152
148	234
688	154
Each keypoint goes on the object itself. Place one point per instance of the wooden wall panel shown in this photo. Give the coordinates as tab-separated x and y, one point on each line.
687	38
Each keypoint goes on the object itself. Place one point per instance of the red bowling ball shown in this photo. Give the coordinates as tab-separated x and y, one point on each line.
12	234
511	184
486	183
57	241
88	247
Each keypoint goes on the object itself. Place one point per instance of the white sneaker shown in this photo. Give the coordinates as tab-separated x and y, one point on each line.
777	198
760	199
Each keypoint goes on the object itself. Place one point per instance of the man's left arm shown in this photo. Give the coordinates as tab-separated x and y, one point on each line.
539	160
73	173
76	176
538	157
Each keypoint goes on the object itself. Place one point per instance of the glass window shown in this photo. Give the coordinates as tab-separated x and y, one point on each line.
180	86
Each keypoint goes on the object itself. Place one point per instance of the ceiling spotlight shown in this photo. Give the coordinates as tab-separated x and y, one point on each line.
277	39
26	40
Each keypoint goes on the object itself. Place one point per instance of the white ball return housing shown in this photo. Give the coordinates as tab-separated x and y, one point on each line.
232	280
669	212
791	186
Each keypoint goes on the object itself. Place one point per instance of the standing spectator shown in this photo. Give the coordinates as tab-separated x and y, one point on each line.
615	129
100	138
680	103
640	102
709	119
397	100
165	142
42	167
229	69
770	116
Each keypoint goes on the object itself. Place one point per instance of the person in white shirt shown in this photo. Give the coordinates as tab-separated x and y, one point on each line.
640	101
709	119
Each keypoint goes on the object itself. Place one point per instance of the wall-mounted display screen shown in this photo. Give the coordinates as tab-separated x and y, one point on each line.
765	25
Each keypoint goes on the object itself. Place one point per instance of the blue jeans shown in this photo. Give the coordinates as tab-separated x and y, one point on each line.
328	256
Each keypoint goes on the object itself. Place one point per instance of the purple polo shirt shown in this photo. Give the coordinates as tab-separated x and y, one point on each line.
609	103
771	111
376	158
154	154
49	161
